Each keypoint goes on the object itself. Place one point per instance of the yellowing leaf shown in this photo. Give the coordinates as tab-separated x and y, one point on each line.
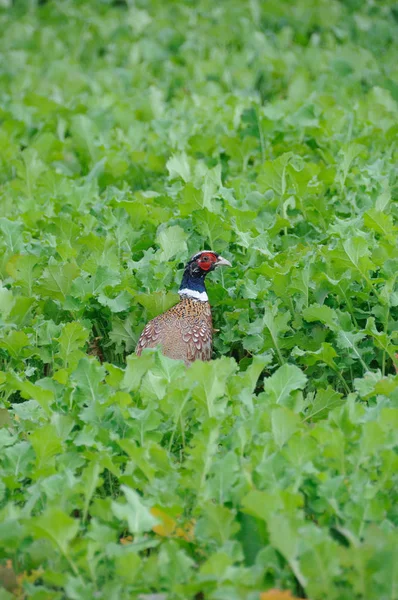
168	526
277	595
187	532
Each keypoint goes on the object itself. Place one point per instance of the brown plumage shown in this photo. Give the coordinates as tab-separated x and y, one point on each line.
185	331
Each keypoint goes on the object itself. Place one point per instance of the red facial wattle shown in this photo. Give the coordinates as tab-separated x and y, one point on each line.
207	260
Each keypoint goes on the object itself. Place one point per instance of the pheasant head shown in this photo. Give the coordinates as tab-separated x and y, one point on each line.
196	269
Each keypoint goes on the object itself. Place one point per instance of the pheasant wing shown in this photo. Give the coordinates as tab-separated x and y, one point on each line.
199	341
149	338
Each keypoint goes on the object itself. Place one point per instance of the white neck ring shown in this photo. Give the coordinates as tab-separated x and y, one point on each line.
201	296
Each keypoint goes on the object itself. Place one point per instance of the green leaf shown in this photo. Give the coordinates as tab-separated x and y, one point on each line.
136	368
211	381
95	284
137	515
284	537
46	444
261	504
350	153
217	523
380	222
273	174
157	302
284	381
128	568
381	339
358	252
57	279
73	337
324	401
213	228
87	379
324	314
23	269
118	304
325	354
211	185
178	166
276	324
11	235
6	301
284	424
172	241
14	343
122	334
251	375
90	479
29	390
348	340
57	527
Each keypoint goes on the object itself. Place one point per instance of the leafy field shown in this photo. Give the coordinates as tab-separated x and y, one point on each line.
133	135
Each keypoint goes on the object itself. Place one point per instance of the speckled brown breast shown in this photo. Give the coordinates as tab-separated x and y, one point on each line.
184	332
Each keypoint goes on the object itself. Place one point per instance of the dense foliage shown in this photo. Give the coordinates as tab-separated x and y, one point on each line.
131	136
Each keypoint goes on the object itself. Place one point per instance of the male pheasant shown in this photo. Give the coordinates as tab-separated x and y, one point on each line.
185	331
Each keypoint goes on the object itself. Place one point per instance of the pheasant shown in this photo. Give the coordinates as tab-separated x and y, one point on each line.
185	331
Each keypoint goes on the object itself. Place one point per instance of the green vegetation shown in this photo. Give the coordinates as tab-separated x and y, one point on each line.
131	136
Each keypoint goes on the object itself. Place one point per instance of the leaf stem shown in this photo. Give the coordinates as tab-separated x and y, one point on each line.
343	381
383	360
275	342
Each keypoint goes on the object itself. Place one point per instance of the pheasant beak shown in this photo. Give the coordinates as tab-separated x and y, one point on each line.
222	262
